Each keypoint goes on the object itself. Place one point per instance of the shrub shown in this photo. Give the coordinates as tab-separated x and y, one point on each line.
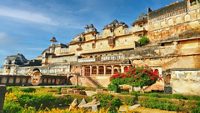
134	76
42	101
9	89
105	99
12	107
29	110
28	90
172	96
59	90
196	110
127	99
113	87
163	104
143	41
112	109
116	102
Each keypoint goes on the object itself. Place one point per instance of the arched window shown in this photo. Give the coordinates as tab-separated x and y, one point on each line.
108	69
101	70
179	20
187	18
170	22
193	2
94	70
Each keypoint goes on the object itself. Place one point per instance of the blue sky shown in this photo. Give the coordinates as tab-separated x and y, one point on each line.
27	25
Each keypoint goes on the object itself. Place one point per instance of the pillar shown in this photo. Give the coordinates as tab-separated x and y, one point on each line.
83	71
90	70
122	69
2	96
112	69
104	69
97	71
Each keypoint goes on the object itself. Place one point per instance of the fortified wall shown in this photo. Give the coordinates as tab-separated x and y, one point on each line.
173	19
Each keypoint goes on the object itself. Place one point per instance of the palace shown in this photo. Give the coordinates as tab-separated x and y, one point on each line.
173	31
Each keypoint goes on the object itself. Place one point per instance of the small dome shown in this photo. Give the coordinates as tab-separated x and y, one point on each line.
53	39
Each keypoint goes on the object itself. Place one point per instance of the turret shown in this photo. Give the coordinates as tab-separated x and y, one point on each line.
53	41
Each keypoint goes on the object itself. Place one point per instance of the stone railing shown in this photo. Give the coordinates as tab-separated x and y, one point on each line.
86	60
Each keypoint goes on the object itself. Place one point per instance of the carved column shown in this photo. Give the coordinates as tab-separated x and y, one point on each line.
83	70
112	69
122	69
90	70
104	69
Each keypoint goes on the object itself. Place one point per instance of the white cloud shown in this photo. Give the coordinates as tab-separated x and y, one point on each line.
26	16
4	39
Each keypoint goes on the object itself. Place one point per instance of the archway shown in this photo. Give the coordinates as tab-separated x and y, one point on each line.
73	79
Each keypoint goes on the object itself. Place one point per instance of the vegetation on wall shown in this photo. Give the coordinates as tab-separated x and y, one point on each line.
143	40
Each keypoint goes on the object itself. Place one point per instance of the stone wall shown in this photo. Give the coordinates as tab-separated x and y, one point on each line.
182	54
102	81
166	26
20	80
171	62
185	82
101	45
62	59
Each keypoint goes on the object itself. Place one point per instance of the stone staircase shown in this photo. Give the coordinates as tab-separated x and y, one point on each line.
92	82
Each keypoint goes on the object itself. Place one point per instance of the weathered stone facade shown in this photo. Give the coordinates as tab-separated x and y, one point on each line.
174	33
173	19
185	81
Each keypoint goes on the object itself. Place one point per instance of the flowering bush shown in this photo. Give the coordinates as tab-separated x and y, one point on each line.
134	76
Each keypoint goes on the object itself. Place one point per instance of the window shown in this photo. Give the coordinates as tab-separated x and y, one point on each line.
193	2
87	71
93	45
108	69
101	70
94	70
